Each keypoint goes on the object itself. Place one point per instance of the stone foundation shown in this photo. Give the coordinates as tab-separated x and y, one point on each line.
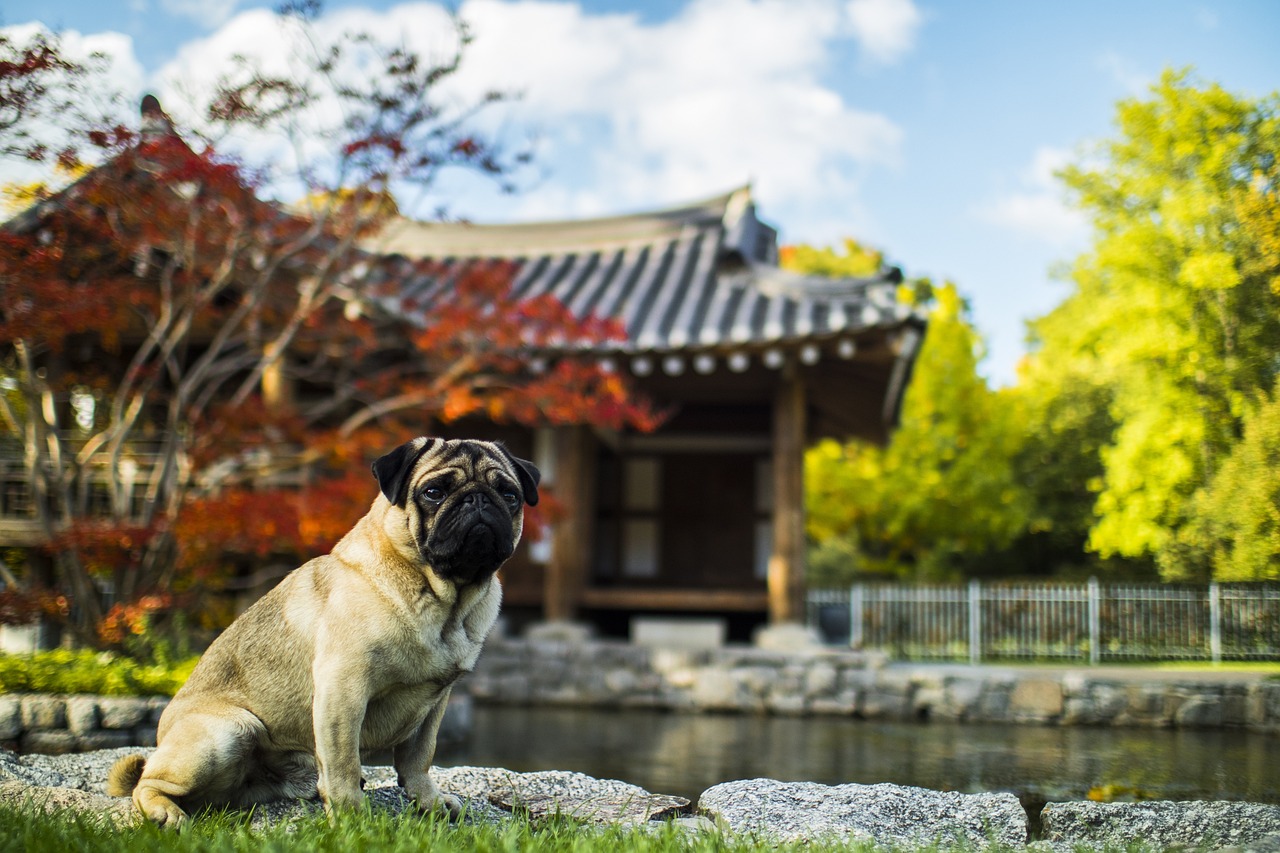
748	680
56	725
738	680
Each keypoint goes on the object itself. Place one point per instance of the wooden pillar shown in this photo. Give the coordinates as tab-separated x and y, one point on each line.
787	562
277	385
575	482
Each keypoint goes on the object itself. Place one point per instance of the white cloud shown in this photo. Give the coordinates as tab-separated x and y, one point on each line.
885	29
206	13
1126	73
1207	19
118	88
1037	209
632	114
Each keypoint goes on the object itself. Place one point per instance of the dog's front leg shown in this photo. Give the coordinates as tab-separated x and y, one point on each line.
413	759
338	713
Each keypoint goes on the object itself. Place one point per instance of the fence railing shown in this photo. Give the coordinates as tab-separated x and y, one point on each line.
1091	622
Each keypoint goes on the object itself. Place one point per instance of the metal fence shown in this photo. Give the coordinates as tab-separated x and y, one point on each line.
1091	622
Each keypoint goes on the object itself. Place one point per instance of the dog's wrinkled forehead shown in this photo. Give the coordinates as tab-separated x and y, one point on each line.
473	460
407	466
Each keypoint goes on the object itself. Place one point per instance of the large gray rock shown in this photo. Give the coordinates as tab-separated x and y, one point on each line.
78	783
1159	823
883	814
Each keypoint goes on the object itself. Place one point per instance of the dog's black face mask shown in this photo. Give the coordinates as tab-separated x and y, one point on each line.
471	535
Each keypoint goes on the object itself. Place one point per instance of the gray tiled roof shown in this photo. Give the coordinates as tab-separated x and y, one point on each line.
698	277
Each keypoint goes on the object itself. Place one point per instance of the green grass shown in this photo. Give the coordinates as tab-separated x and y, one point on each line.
1264	666
87	671
31	832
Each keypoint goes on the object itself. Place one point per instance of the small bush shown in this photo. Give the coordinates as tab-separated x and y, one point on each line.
87	671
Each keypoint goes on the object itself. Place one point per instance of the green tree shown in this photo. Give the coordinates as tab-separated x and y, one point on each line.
1237	518
1167	314
943	492
855	261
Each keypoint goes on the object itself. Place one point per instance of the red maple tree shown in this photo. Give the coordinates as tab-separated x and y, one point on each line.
191	371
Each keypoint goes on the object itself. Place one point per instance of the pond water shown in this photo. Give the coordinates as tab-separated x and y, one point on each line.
685	754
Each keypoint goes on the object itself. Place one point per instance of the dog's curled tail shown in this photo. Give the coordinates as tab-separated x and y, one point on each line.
124	775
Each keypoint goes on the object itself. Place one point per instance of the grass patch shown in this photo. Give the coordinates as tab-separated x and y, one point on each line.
1264	666
87	671
30	831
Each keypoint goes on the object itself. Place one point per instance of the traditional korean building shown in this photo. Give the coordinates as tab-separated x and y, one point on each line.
706	514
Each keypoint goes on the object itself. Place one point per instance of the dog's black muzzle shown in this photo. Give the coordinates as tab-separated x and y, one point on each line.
472	538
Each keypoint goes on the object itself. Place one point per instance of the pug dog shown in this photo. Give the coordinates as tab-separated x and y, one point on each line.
352	651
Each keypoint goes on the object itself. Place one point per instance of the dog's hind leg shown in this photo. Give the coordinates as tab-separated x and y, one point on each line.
280	776
203	759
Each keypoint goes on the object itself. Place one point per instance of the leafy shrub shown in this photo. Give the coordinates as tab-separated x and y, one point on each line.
87	671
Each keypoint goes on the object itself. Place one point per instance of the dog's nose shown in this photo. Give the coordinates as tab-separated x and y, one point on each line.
476	499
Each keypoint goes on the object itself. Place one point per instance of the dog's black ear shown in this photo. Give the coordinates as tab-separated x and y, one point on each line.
392	470
528	474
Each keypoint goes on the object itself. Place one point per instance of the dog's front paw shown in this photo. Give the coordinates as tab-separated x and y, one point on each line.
432	800
342	798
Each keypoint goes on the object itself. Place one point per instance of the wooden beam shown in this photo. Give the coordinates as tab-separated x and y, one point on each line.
623	598
786	563
575	481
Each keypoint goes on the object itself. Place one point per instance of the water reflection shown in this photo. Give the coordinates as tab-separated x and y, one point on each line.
687	753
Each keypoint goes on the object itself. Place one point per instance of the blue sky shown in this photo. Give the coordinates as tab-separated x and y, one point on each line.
927	128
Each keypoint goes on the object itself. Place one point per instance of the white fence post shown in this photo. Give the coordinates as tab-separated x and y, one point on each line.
1095	622
855	616
975	622
1215	622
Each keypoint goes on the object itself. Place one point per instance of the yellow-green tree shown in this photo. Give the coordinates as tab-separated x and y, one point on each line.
1171	313
943	492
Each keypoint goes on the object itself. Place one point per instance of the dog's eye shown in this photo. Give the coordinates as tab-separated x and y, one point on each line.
434	494
512	499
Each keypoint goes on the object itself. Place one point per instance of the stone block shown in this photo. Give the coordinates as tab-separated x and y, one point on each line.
1204	711
715	689
883	702
1036	699
49	741
1233	708
82	714
820	680
144	736
104	740
993	705
563	633
886	816
10	717
1109	700
41	711
840	705
930	701
679	633
155	708
121	712
786	704
788	637
962	696
1147	699
1159	824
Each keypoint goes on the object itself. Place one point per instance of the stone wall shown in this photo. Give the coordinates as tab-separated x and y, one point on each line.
610	674
743	680
36	722
56	725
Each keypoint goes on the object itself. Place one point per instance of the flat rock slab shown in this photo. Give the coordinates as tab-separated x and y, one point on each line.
77	783
883	814
1160	823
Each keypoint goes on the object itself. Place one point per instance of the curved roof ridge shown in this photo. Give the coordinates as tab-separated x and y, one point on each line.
436	239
